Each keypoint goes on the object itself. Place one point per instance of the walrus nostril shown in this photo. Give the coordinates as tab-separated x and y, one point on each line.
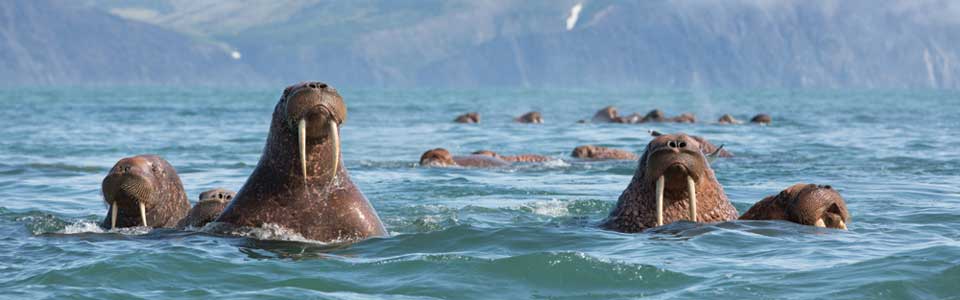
672	144
682	144
826	186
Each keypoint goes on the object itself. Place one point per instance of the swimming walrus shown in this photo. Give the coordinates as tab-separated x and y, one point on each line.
143	190
470	117
532	117
592	152
807	204
208	208
673	181
671	169
763	119
514	158
440	157
728	119
300	182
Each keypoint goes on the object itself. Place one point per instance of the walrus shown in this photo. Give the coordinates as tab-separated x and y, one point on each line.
532	117
300	182
673	182
470	117
440	157
605	115
728	119
807	204
657	116
208	208
763	119
533	158
708	148
143	190
592	152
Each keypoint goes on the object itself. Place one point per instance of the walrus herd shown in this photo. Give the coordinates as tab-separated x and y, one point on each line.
301	183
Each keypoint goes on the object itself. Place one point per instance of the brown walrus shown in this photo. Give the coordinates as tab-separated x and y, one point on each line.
728	119
708	148
470	117
208	208
300	182
671	169
658	116
440	157
532	117
605	115
593	152
807	204
764	119
533	158
674	181
143	190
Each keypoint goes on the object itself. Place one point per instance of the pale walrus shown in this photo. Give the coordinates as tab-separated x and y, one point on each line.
533	158
300	182
807	204
440	157
143	190
532	117
470	117
728	120
592	152
208	208
673	182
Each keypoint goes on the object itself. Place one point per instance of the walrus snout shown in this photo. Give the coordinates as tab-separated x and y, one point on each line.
313	100
217	195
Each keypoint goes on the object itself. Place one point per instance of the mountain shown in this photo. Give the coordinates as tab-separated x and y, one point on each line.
508	43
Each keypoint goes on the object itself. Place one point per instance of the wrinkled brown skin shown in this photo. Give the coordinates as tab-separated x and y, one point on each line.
803	204
527	158
591	152
532	117
163	194
471	117
636	207
727	119
706	146
208	208
763	119
440	157
320	207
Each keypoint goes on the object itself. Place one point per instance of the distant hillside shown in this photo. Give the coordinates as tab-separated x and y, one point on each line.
56	42
475	43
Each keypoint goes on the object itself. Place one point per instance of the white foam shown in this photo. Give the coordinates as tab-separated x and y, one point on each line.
269	231
552	208
574	16
87	226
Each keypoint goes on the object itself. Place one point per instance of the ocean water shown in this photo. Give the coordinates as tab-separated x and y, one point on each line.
525	231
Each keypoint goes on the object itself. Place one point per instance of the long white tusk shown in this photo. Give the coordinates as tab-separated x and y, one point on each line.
820	223
113	215
335	139
302	132
692	188
660	201
143	214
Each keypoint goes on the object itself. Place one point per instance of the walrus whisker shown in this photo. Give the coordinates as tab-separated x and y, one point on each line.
335	140
113	215
143	214
692	188
660	183
302	132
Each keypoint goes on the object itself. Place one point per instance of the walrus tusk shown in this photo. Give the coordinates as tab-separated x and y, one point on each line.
714	155
820	223
660	201
302	134
113	215
335	140
692	188
143	214
843	225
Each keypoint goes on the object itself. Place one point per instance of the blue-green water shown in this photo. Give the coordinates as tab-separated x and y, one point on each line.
526	231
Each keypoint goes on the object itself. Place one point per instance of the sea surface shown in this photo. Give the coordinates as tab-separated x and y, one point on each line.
520	232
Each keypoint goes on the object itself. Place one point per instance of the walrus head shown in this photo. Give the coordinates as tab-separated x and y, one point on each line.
470	117
437	158
601	153
807	204
532	117
217	195
486	153
606	114
131	188
673	181
655	115
311	114
763	119
728	119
